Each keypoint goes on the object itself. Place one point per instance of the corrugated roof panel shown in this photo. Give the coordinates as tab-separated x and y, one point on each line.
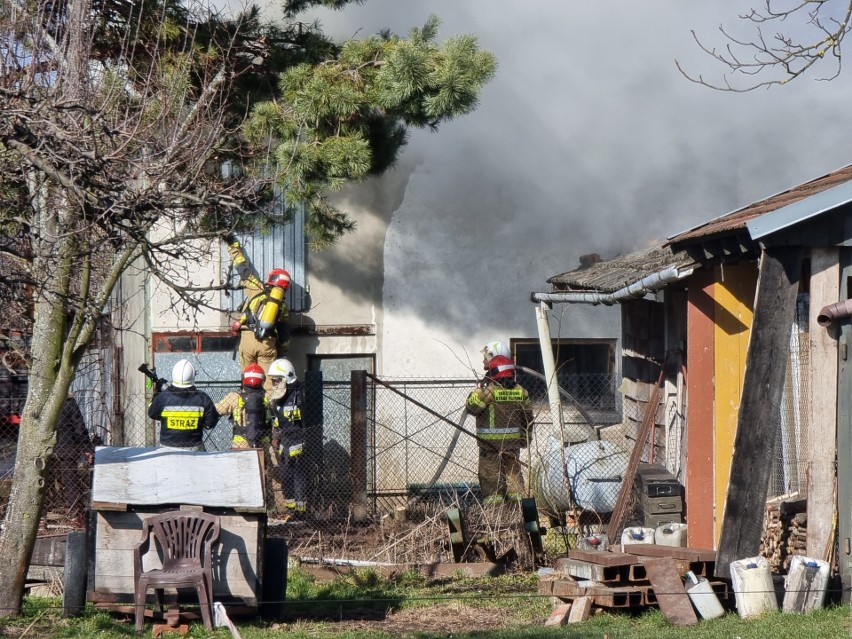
800	210
740	218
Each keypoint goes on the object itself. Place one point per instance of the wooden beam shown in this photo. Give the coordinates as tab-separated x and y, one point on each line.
668	588
734	298
822	434
763	385
699	438
358	444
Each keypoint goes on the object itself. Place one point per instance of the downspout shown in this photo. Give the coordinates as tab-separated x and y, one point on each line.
546	347
836	311
637	289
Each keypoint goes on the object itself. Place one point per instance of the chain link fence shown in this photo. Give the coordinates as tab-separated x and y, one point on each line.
387	460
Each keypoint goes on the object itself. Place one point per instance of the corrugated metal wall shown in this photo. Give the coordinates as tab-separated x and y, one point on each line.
281	247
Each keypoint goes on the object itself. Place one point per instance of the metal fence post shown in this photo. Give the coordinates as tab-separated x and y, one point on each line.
358	445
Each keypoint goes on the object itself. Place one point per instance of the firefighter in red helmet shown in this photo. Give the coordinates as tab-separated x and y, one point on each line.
503	421
263	326
249	413
247	409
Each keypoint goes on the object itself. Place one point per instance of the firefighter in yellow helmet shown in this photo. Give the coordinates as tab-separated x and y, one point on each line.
263	326
503	422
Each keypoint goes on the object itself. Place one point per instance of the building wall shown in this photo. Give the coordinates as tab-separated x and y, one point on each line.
393	288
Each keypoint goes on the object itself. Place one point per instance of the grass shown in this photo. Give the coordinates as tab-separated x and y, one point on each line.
364	604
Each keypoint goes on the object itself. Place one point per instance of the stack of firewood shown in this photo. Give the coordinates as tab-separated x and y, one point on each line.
797	537
784	531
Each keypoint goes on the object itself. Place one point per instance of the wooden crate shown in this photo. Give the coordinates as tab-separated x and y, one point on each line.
132	484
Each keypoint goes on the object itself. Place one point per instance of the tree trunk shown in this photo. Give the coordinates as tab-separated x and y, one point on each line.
36	439
54	357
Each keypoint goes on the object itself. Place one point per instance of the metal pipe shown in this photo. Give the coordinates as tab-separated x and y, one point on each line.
637	289
549	364
836	311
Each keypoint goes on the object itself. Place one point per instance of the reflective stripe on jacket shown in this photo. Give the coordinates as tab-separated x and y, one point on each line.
502	414
183	413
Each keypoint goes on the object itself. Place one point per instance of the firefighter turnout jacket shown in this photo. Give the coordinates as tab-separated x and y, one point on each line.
248	412
183	414
258	295
288	430
287	420
503	413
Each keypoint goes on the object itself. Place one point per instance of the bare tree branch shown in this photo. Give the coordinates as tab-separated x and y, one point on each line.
813	41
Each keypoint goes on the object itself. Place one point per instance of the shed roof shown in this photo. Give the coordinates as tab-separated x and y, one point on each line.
612	275
737	220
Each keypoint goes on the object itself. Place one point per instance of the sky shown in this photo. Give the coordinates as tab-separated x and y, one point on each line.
588	140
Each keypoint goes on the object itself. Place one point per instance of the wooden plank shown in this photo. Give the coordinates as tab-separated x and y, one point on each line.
108	505
688	554
74	574
600	558
618	512
669	591
734	297
699	440
580	610
49	551
44	573
777	286
822	433
156	476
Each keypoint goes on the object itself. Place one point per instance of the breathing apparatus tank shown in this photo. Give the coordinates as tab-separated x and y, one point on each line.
269	312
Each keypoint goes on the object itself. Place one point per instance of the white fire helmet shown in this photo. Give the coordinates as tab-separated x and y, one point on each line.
183	374
495	348
282	368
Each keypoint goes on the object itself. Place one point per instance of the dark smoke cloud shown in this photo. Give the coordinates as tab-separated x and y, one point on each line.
588	140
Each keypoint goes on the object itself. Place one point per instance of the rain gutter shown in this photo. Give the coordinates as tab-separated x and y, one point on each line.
638	289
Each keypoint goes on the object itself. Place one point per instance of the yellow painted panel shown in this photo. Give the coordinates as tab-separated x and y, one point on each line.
733	311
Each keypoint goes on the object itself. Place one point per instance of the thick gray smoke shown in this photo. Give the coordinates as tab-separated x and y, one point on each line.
588	141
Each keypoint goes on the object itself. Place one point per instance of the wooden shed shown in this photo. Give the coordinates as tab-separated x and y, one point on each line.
731	310
130	484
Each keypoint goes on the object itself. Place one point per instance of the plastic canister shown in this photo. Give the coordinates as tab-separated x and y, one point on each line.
805	585
637	535
594	542
673	534
703	597
753	587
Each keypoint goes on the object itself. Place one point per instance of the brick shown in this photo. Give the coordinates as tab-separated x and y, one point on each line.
559	616
580	610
